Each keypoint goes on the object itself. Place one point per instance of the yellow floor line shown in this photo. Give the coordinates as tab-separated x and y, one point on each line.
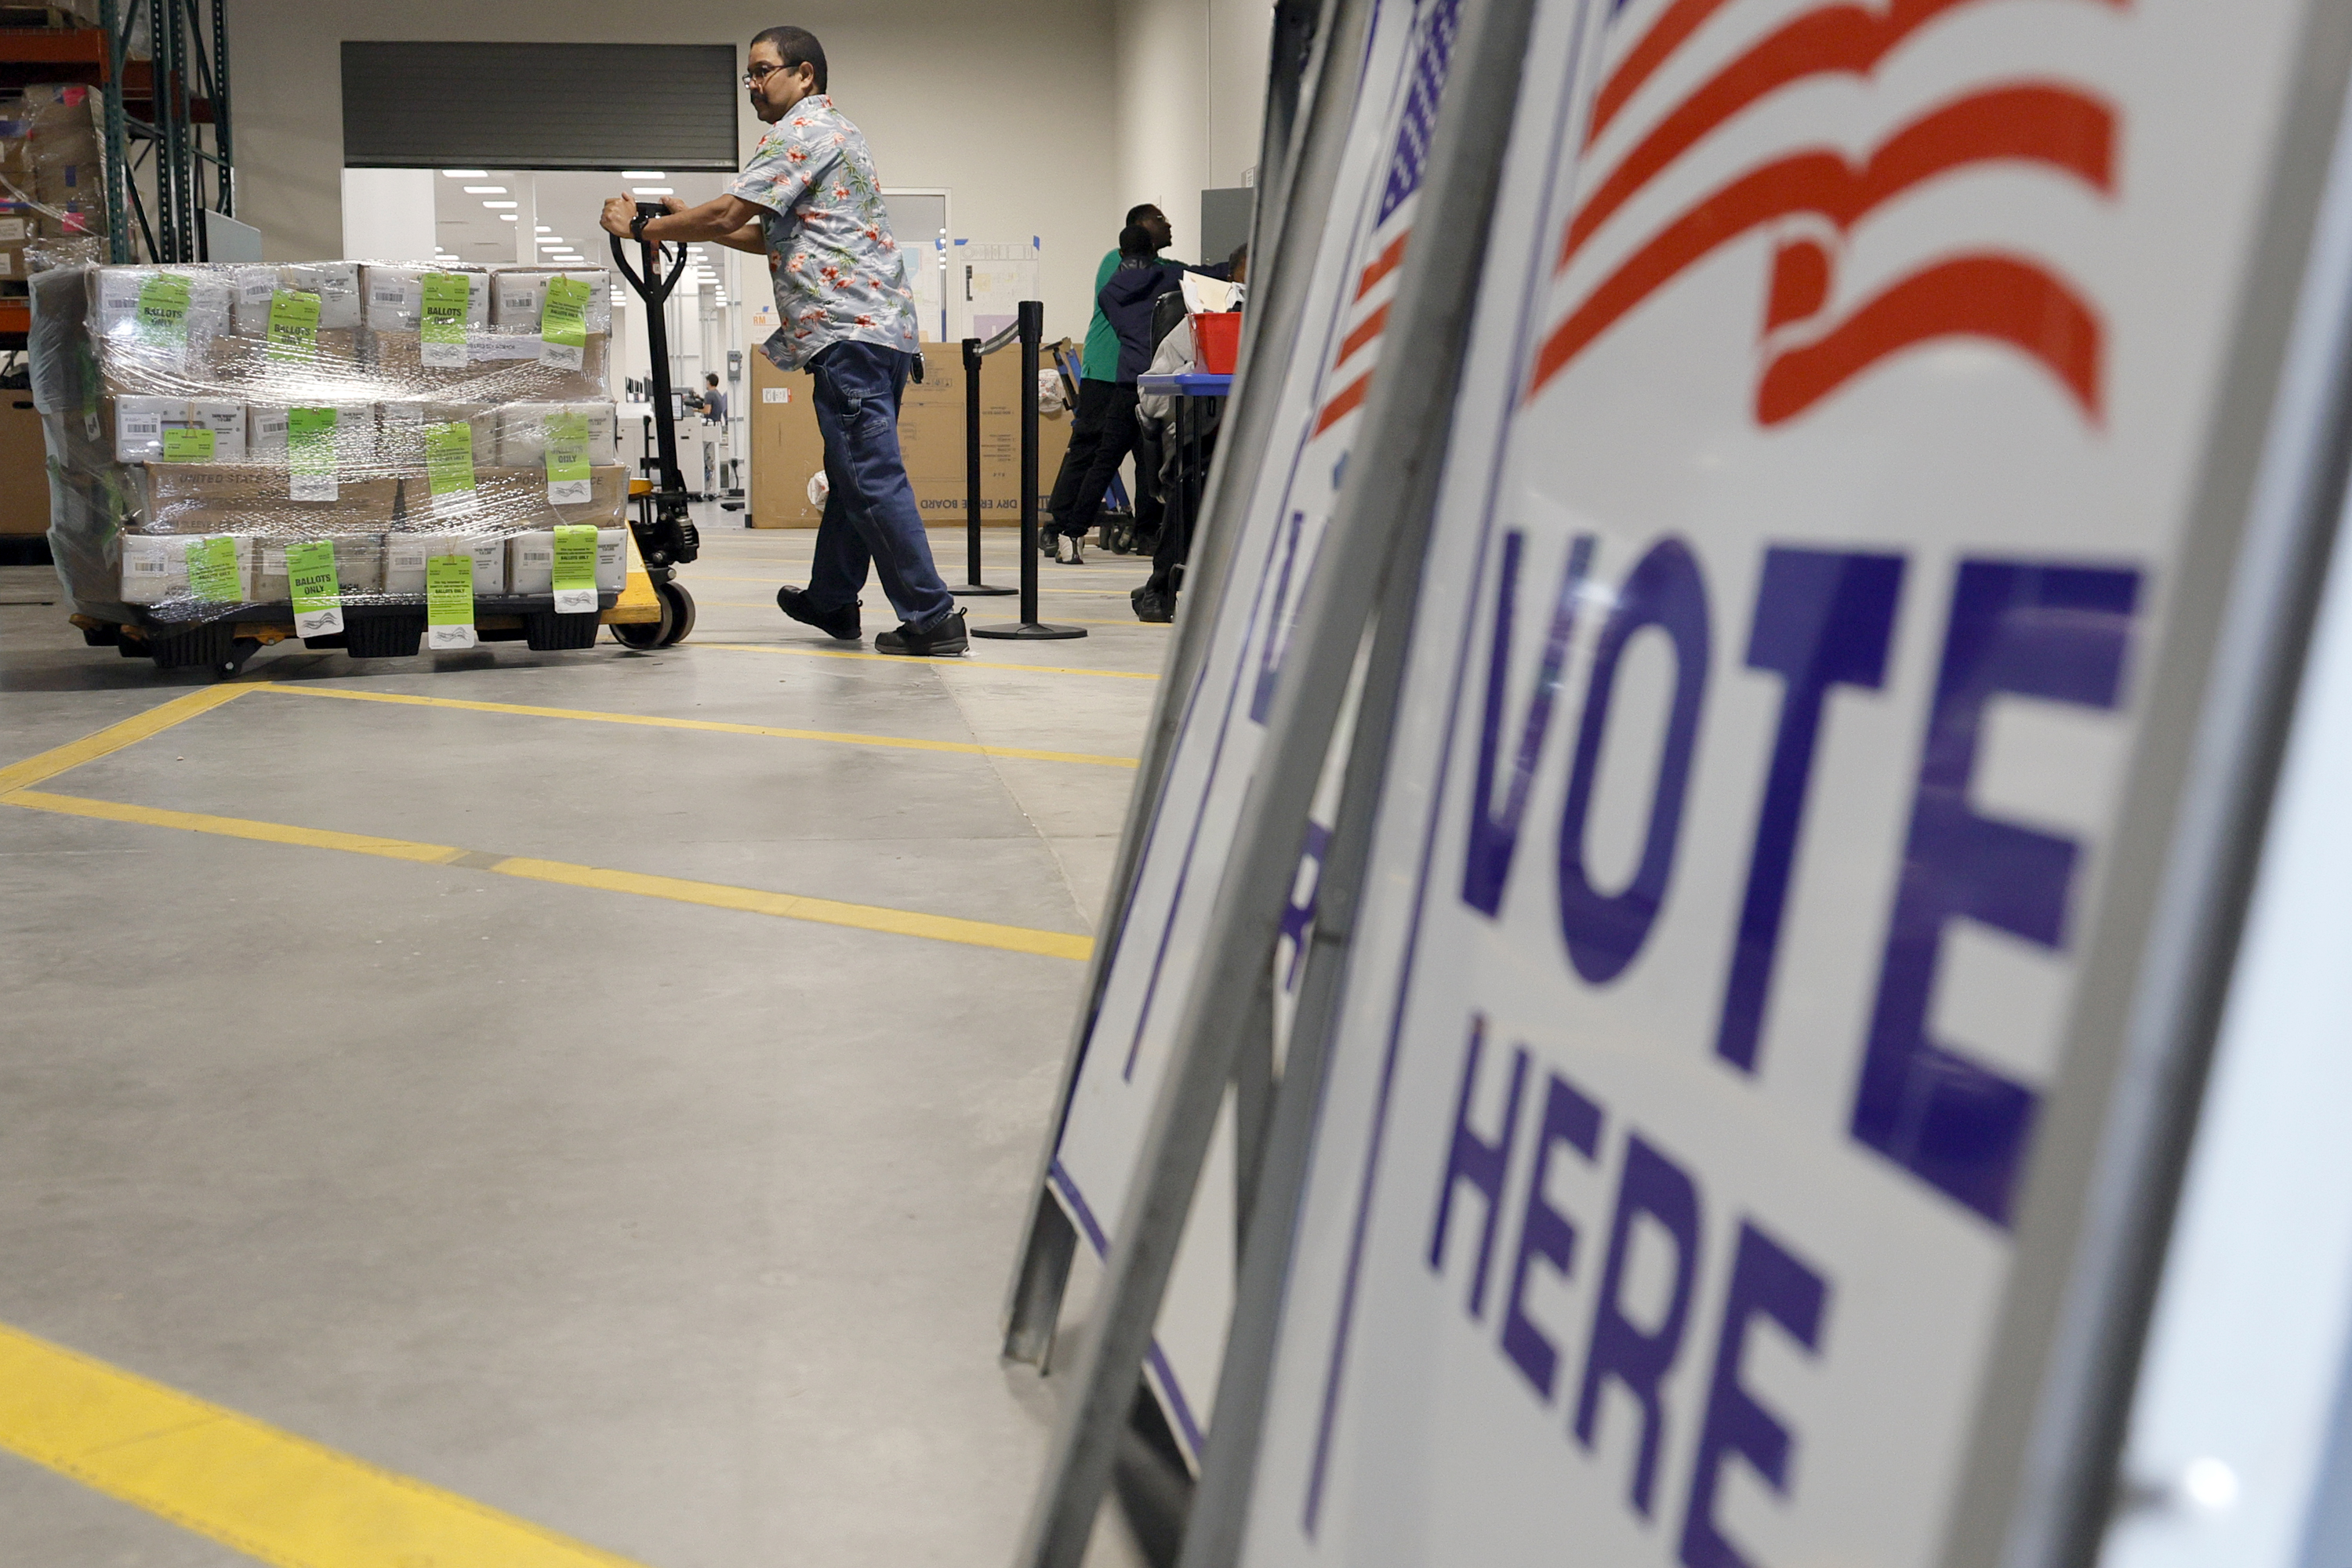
114	737
846	738
952	663
713	895
1072	620
689	576
254	1488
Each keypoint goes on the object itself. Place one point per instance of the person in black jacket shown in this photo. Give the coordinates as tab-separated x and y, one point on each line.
1126	302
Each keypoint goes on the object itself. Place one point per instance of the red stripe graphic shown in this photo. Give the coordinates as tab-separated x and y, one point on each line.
1351	397
1386	262
1370	327
1835	39
1996	297
2056	126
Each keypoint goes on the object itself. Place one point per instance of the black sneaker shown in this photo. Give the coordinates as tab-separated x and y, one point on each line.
1157	608
841	625
946	637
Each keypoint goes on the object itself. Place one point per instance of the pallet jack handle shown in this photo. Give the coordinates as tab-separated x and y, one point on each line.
664	527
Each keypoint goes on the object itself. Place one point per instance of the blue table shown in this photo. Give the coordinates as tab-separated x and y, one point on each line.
1193	392
1186	384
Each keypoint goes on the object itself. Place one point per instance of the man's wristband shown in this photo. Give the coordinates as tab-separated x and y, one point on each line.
637	227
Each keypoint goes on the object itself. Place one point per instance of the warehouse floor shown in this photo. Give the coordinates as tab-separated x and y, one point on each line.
413	1058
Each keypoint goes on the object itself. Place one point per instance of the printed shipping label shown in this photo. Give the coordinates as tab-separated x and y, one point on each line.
314	588
311	455
293	324
575	569
162	314
567	458
11	228
449	600
443	326
212	570
563	323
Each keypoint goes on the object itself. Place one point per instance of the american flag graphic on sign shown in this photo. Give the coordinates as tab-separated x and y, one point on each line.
1368	308
1690	69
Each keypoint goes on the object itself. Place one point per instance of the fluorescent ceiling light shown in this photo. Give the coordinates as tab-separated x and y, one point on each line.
509	218
543	229
467	174
641	173
495	205
485	190
652	191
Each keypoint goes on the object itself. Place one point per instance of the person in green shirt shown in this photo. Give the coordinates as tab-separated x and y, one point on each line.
1098	392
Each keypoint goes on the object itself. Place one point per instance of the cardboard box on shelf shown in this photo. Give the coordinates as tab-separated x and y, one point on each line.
20	226
66	151
787	450
25	494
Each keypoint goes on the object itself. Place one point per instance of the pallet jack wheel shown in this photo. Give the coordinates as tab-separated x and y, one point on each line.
240	650
677	619
646	636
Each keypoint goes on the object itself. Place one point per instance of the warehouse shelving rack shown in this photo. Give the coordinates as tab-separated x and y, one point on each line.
168	123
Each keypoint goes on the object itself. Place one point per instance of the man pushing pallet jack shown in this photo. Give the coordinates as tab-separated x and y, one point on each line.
812	203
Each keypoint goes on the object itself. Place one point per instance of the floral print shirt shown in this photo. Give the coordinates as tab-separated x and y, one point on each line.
837	273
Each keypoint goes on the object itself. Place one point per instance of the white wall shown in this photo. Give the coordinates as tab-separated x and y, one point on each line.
1001	103
1192	99
387	216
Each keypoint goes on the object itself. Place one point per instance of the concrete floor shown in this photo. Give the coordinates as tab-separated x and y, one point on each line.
675	1229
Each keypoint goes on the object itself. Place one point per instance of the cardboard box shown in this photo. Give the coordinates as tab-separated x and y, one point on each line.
787	450
517	498
522	432
404	556
67	157
531	561
519	295
24	467
155	567
20	226
217	498
501	367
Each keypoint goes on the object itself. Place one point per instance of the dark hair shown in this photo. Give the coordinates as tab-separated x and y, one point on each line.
1239	255
1138	213
795	47
1137	240
713	378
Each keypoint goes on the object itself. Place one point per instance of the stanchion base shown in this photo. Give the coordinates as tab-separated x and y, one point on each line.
974	590
1035	631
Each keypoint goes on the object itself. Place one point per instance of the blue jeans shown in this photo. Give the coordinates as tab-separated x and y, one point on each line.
869	507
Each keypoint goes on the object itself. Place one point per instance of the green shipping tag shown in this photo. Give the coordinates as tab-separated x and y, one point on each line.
444	324
188	445
212	570
163	312
566	436
449	468
563	323
311	455
575	568
293	324
317	594
449	600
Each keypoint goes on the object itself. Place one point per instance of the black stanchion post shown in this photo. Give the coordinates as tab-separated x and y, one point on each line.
1032	322
972	586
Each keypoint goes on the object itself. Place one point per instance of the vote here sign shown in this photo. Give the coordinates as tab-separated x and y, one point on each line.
1814	522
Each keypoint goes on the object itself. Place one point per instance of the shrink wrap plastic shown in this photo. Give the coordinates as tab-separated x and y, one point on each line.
400	412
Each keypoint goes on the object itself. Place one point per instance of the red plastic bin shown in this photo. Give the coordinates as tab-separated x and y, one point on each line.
1217	341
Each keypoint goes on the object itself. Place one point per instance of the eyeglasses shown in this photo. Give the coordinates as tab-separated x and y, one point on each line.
759	74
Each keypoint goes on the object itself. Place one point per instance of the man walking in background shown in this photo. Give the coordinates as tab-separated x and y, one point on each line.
1097	392
811	201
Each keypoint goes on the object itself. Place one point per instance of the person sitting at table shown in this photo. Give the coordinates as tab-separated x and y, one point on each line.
1126	302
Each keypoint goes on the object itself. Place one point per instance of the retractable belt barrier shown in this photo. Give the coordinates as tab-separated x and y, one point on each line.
1028	329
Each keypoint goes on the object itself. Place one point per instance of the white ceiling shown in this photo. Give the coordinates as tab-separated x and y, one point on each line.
566	204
